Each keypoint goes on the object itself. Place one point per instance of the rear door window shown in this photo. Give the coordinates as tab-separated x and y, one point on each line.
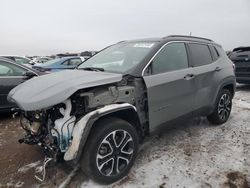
171	57
74	61
214	53
200	54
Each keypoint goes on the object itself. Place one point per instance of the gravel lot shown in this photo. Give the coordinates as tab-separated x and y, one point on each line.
194	154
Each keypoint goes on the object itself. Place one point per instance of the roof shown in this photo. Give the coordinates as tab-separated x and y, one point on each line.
15	56
189	37
174	37
7	59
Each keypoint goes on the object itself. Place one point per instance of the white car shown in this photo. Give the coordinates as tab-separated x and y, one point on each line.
41	60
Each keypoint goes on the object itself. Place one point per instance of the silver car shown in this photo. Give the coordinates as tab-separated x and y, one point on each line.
98	114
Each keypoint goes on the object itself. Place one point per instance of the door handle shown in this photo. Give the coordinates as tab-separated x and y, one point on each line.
217	69
189	77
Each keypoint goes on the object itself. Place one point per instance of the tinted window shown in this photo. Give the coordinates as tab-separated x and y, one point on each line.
200	54
8	69
214	53
172	57
65	62
74	62
217	52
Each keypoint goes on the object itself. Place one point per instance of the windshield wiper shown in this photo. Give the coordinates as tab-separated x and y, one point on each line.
92	69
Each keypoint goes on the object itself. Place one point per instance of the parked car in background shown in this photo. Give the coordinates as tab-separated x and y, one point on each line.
59	64
83	58
41	60
86	55
228	53
241	58
20	60
11	75
97	114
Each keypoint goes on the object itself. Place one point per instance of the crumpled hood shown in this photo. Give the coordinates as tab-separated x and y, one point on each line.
51	89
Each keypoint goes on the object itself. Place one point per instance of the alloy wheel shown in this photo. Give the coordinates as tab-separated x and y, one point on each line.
115	153
224	107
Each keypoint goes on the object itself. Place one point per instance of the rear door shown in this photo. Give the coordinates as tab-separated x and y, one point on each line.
170	84
205	62
10	76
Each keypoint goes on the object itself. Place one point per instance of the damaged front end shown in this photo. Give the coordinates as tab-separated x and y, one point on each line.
58	116
51	129
51	108
60	129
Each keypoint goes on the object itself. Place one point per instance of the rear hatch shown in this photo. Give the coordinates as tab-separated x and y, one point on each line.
241	58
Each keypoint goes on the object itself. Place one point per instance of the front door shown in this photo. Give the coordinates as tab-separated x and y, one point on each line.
170	85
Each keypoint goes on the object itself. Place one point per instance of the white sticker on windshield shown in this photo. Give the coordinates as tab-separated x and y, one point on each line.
143	45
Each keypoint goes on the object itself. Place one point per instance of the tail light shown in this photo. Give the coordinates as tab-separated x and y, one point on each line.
234	66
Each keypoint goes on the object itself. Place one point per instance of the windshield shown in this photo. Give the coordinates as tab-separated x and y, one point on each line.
120	57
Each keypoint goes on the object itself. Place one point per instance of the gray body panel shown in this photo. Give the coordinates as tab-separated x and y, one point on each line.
208	80
170	95
52	89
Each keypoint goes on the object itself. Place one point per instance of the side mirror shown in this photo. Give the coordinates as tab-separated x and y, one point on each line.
148	71
29	74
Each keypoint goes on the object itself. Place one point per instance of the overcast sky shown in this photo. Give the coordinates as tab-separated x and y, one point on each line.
44	27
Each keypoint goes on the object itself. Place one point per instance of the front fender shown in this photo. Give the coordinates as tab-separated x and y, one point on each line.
83	126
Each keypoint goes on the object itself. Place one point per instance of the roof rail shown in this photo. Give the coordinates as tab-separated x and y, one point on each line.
189	37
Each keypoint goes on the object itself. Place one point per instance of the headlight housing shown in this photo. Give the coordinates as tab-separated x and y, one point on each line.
32	121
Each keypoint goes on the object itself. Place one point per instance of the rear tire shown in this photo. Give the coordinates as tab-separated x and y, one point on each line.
110	150
222	108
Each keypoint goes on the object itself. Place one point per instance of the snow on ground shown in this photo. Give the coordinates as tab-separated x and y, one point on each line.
196	154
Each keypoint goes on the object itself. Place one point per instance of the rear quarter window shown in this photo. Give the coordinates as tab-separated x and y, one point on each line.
200	54
214	52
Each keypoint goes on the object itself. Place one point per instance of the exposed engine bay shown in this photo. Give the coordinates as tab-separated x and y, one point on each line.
52	128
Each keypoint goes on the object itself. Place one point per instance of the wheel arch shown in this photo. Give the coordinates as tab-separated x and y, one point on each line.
230	87
124	111
227	83
129	115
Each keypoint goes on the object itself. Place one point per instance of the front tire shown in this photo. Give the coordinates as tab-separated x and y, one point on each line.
110	150
222	109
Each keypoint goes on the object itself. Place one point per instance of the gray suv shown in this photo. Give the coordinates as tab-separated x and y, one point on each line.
99	114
